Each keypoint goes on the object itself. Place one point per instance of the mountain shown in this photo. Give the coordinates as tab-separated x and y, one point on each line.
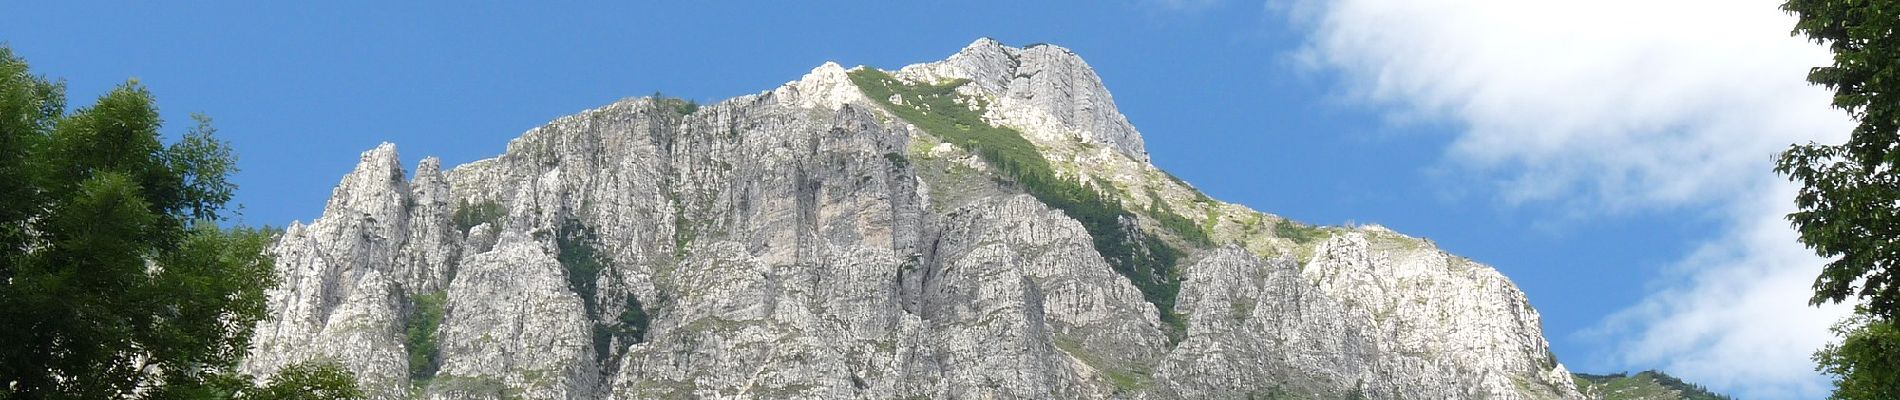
985	226
1646	385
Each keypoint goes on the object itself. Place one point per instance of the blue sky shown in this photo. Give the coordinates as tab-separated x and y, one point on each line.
1570	163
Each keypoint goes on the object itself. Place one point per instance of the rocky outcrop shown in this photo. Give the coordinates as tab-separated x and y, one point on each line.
341	294
1455	316
806	242
1646	385
1262	330
1045	87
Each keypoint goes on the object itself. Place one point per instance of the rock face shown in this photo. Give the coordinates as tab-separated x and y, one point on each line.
1045	88
808	242
1646	385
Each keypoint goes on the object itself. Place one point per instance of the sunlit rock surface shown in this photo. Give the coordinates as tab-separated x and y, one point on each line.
804	242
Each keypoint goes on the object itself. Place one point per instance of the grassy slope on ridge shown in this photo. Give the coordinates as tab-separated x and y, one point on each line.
1643	385
1148	261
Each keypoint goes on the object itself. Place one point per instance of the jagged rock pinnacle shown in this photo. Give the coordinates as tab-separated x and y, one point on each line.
806	242
1043	87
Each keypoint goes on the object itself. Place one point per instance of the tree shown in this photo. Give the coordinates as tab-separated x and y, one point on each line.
1863	362
1849	203
308	381
116	279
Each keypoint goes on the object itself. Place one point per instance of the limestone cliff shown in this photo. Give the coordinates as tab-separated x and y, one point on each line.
987	226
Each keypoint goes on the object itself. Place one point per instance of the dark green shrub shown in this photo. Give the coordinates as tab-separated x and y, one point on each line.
897	160
1299	233
577	256
584	266
469	215
1174	223
309	380
425	318
632	327
677	105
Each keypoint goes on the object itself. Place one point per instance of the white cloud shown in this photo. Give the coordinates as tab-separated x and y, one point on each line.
1734	317
1643	103
1612	106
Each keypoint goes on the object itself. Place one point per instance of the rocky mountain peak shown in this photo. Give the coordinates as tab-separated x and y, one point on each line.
813	242
987	63
378	177
1041	85
826	86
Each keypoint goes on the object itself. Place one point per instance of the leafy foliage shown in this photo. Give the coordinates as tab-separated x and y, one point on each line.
469	215
473	387
1146	260
1865	363
116	280
212	295
1849	202
308	381
29	107
425	318
1850	199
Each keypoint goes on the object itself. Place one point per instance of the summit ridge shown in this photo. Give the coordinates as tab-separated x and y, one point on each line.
990	226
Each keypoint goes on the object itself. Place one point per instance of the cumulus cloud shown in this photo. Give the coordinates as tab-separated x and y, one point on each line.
1639	103
1733	316
1619	106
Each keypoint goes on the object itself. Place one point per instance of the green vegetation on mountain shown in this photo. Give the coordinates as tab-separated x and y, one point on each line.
1849	202
584	265
1180	226
1866	361
1145	259
116	278
1126	377
576	253
317	380
1643	385
1299	233
677	105
425	318
468	215
633	322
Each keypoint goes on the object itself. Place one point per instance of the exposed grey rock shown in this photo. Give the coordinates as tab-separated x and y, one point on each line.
1467	319
805	243
1261	329
1044	85
513	327
340	299
433	245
